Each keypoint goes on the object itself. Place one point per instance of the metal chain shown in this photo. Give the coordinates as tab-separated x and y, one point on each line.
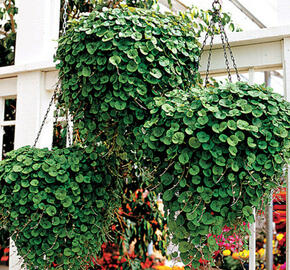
64	17
69	135
225	53
57	88
216	5
47	112
209	56
203	45
231	52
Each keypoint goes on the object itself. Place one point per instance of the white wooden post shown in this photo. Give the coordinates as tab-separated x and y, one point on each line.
38	28
252	240
1	127
286	67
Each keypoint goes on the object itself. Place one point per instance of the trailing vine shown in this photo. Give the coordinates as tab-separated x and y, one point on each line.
125	58
223	150
139	224
129	79
57	205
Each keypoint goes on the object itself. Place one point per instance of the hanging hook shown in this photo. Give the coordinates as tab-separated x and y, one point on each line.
216	5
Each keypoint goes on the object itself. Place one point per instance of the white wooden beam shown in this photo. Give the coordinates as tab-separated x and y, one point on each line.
37	33
286	66
176	5
252	240
13	71
8	87
248	13
51	79
259	56
37	30
255	36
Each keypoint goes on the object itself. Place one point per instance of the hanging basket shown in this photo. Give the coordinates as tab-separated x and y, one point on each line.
213	152
224	149
57	204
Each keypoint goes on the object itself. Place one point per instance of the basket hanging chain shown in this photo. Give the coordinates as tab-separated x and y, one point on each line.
230	50
209	54
57	88
225	52
216	16
64	17
47	112
68	129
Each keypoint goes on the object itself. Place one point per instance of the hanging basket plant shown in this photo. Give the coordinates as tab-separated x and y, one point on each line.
224	148
57	205
127	76
114	62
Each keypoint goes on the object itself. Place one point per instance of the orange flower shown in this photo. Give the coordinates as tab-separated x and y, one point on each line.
236	256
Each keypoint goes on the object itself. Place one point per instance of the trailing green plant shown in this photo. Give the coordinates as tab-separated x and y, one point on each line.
139	223
125	57
128	78
222	149
57	205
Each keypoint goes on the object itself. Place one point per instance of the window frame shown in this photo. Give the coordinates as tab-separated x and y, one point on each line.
3	122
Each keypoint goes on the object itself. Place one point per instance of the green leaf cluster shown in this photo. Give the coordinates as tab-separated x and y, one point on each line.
57	204
128	80
220	151
114	62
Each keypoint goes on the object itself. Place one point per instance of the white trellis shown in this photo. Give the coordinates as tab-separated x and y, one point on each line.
33	77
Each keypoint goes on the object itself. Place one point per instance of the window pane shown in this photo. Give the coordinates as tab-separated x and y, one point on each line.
10	109
8	140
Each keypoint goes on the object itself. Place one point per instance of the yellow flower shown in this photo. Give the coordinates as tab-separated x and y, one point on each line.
280	236
227	252
261	252
244	254
275	251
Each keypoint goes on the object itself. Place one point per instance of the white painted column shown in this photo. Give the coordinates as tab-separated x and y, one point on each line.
1	127
286	67
37	30
252	240
37	33
32	103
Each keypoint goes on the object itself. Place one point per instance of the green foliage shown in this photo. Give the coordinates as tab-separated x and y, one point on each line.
128	78
139	224
7	32
110	75
223	149
57	205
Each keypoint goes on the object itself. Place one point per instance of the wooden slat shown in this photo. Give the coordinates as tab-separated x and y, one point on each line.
286	66
263	56
8	87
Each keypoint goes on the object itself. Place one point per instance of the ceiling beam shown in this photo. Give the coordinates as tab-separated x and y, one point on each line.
177	5
248	13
